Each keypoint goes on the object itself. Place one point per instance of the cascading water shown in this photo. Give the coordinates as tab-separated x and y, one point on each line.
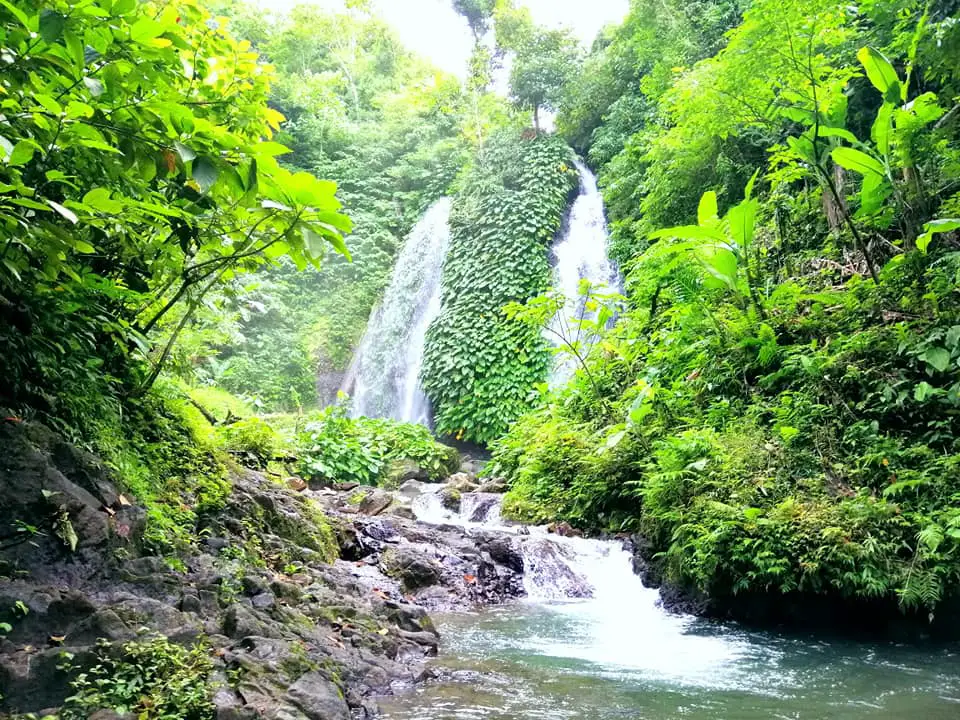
385	375
580	254
590	642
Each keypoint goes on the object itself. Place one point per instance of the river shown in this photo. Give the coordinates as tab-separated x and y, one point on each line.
618	656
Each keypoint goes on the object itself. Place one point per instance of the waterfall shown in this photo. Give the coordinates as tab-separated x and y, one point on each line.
386	370
580	254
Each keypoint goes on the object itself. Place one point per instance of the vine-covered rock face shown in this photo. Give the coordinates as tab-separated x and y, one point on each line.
479	367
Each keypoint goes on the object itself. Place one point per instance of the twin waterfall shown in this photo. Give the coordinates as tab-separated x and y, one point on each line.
384	380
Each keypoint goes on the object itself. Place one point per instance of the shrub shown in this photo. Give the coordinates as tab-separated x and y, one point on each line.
336	448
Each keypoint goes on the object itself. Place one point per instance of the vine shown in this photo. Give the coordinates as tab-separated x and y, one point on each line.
479	365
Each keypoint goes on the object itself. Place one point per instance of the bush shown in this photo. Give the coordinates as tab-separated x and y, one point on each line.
252	438
336	448
152	679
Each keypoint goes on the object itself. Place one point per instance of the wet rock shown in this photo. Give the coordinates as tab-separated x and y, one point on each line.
413	568
450	498
564	529
319	698
493	485
462	482
375	501
503	551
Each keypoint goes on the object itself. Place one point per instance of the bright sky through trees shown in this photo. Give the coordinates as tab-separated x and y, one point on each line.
432	29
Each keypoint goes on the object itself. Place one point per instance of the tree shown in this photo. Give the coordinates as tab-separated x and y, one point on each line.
478	14
544	62
136	174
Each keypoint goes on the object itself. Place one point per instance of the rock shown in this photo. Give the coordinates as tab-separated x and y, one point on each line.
413	568
565	529
462	482
241	622
401	471
503	551
296	484
375	502
264	601
450	498
319	698
493	485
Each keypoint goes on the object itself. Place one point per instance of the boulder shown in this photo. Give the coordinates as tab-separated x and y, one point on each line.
493	485
462	482
450	498
374	502
413	568
319	698
400	471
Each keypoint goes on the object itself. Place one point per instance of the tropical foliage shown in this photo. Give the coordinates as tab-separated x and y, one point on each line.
479	365
775	411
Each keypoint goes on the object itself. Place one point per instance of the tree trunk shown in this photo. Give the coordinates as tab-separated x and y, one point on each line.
536	120
834	210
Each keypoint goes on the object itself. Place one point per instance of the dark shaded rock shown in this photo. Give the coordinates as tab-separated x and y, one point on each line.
319	698
415	569
239	622
450	498
503	551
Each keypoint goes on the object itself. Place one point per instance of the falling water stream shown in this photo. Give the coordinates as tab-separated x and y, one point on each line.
617	655
580	253
385	377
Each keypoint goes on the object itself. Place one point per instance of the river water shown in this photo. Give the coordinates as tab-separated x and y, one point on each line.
618	656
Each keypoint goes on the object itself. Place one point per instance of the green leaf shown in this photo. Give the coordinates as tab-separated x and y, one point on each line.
185	153
83	247
742	220
935	227
19	14
68	214
270	149
937	357
825	131
205	173
51	25
22	152
99	199
707	213
873	194
145	30
6	148
882	128
879	70
857	161
689	232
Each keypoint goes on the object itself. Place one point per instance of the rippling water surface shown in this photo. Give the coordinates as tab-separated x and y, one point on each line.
618	656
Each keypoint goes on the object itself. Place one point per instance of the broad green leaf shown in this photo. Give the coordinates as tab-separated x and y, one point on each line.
879	70
22	152
19	14
882	128
51	25
269	149
68	214
6	148
707	213
923	391
857	161
205	173
146	29
842	133
721	263
748	190
99	199
76	109
935	227
937	357
185	153
83	247
742	218
873	193
691	232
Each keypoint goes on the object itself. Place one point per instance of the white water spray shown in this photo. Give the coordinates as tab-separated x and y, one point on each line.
385	376
580	254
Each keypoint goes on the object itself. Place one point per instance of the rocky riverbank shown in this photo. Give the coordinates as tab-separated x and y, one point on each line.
287	631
